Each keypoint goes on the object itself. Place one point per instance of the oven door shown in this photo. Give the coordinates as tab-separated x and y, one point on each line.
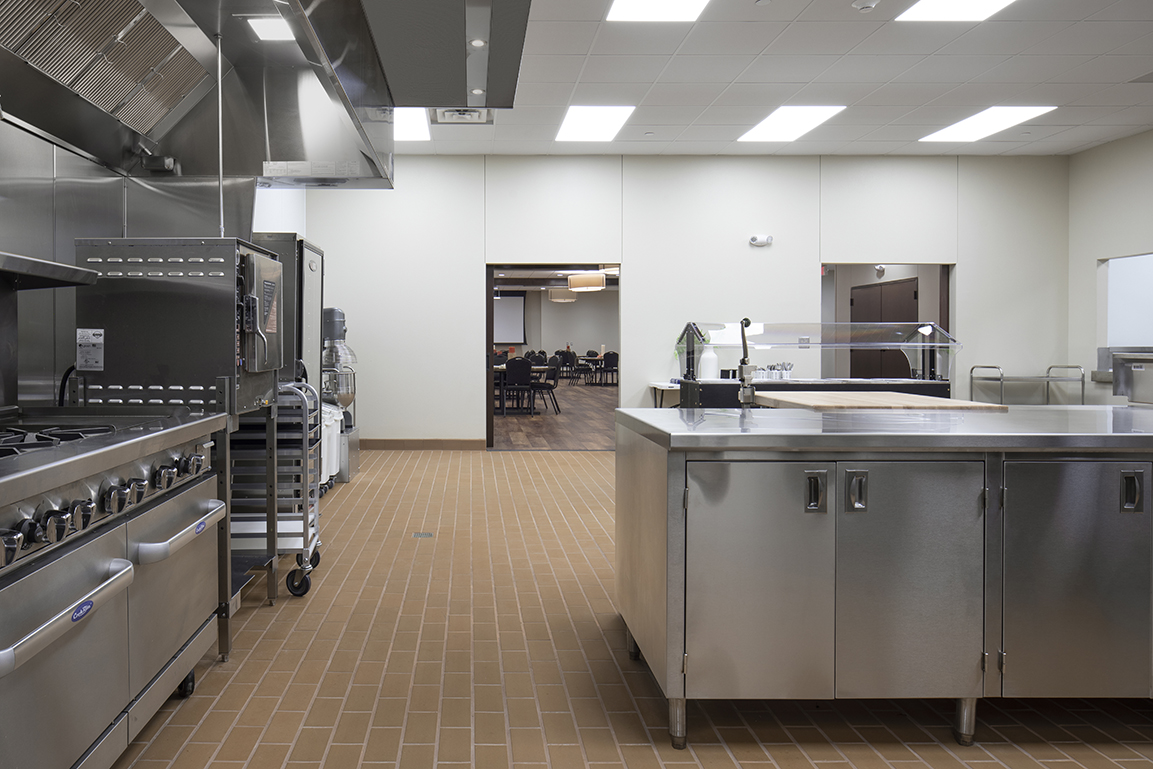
64	654
174	547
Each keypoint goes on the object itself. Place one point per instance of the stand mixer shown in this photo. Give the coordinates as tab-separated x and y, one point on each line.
339	387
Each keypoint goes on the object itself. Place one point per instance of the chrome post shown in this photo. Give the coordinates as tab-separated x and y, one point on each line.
965	721
220	127
678	722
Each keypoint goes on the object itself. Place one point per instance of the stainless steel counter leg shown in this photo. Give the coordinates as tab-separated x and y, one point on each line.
678	723
965	721
631	645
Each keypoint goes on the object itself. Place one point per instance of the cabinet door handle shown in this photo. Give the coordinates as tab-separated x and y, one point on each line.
1132	499
816	488
857	491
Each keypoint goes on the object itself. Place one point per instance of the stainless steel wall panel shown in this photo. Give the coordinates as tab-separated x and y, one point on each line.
910	580
1077	581
759	597
189	207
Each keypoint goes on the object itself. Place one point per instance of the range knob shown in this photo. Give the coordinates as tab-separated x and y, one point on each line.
164	477
115	500
11	542
82	511
192	464
137	488
32	532
56	524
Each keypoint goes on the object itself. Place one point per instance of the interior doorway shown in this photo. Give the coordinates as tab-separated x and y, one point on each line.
893	301
532	313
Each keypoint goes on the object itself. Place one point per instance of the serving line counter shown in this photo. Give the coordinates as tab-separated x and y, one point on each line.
793	554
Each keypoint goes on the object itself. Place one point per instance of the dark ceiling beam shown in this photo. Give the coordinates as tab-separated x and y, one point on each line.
422	49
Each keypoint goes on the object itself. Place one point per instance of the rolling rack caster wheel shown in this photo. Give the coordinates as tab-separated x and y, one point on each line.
298	582
187	686
314	560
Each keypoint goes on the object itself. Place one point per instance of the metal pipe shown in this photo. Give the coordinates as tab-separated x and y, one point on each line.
220	127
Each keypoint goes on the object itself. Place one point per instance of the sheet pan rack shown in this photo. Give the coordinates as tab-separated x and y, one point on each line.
276	487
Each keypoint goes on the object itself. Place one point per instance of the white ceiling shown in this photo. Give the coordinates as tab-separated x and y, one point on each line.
699	86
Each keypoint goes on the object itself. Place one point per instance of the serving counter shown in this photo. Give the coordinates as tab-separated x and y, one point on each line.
792	554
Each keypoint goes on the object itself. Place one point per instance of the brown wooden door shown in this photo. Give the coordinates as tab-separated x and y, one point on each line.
891	302
865	307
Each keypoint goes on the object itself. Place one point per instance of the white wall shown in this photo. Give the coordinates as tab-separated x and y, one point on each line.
592	320
280	210
407	266
679	227
1110	200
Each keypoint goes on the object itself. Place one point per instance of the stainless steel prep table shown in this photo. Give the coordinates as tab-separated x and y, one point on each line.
793	554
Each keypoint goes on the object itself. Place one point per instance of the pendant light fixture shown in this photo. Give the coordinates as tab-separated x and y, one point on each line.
586	281
561	295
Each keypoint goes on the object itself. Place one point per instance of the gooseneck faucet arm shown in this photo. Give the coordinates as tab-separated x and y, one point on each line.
690	387
746	370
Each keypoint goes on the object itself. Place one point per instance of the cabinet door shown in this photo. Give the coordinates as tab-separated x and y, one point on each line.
1077	579
759	580
910	582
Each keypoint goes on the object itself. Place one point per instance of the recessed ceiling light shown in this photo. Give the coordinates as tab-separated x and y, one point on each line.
477	92
987	123
789	123
410	124
271	28
953	10
476	42
656	10
592	124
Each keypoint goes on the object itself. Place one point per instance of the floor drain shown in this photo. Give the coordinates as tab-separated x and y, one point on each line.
422	535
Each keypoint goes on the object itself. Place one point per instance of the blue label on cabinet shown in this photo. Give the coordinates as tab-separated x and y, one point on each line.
81	611
200	527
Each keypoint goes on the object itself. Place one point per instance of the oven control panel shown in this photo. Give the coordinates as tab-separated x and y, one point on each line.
32	527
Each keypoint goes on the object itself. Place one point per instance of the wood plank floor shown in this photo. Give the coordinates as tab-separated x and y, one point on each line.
585	423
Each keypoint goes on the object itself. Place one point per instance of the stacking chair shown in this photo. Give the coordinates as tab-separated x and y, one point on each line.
609	368
547	387
518	382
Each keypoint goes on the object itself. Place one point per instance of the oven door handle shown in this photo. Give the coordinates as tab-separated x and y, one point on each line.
120	575
152	552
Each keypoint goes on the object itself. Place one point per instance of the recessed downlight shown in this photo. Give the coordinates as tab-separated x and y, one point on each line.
789	123
271	28
987	123
953	10
656	10
477	92
476	42
592	124
410	124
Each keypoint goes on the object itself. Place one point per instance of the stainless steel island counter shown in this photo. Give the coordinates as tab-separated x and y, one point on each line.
769	554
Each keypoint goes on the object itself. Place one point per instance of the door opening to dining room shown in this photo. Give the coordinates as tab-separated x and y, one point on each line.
553	334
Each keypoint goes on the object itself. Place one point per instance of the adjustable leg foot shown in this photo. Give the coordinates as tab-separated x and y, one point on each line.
678	723
631	645
965	721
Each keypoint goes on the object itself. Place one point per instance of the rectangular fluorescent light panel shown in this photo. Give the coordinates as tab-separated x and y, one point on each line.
789	123
592	124
410	124
271	28
987	123
953	10
656	10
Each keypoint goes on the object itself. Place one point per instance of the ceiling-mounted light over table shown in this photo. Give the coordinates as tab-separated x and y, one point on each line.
987	123
586	281
561	295
953	10
789	123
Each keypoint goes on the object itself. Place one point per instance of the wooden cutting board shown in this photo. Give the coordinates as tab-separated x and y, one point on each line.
834	401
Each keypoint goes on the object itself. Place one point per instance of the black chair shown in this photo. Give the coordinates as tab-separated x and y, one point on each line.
609	367
518	382
537	358
547	386
582	369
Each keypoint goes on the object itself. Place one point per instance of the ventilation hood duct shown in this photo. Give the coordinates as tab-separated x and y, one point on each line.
124	82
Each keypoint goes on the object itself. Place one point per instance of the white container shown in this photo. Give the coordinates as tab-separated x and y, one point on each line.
709	366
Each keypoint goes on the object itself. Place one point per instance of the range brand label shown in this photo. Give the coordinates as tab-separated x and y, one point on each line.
81	611
89	349
201	526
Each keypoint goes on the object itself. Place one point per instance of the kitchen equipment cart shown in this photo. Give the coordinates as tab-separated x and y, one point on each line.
795	554
276	511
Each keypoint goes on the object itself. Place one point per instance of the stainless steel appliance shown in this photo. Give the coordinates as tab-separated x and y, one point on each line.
109	529
340	388
303	286
173	317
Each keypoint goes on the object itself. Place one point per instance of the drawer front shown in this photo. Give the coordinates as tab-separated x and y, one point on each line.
175	589
60	699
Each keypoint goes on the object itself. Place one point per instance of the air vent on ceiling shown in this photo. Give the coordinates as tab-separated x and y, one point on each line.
461	116
111	52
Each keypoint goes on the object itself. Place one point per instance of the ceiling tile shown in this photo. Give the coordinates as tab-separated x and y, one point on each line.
1126	95
731	37
867	69
609	94
455	148
1057	94
1142	116
864	147
1031	69
746	116
906	94
1142	47
787	69
559	37
1071	116
923	37
1052	10
629	38
462	133
836	133
1093	38
1087	133
695	148
937	116
551	69
683	94
704	69
523	148
809	148
530	115
832	93
623	69
640	148
1108	69
861	115
901	133
713	133
542	94
979	95
1126	10
949	69
742	10
811	37
1004	37
756	94
525	133
569	10
671	116
660	133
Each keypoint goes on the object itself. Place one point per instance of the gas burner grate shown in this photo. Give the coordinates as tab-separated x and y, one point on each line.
65	434
18	441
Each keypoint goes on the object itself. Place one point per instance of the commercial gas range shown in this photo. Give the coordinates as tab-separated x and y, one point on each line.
111	527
